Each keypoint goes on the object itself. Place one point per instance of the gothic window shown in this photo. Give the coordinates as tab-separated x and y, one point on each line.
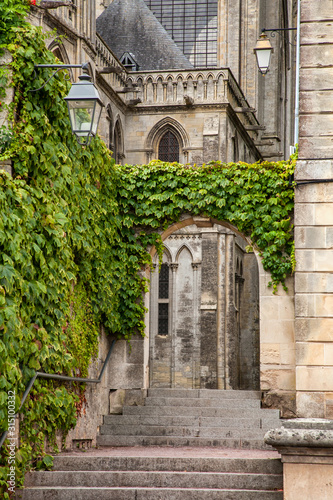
163	300
168	149
118	143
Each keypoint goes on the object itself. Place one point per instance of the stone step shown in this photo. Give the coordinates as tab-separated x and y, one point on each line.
159	463
203	393
204	432
70	493
188	411
203	402
111	440
155	479
266	422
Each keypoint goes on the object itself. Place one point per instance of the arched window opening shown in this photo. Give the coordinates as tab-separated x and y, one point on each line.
168	149
58	54
110	120
163	300
118	143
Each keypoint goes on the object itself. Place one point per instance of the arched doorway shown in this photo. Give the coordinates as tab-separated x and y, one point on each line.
204	311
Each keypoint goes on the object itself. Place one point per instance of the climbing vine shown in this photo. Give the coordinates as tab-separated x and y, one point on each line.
74	235
257	199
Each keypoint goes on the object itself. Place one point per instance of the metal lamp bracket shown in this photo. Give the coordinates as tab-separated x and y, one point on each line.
273	32
59	67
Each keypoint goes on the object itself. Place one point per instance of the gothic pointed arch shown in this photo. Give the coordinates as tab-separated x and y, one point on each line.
167	133
118	142
109	117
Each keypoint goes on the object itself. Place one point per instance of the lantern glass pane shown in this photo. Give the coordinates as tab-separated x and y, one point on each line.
96	118
81	115
263	59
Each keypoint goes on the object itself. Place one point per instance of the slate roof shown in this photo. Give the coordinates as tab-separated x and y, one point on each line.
130	26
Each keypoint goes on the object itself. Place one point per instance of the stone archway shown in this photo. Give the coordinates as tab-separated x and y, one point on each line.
204	310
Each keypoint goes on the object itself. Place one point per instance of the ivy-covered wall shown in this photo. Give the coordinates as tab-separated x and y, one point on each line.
74	234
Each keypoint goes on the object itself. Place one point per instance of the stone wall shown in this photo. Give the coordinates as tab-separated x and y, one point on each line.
314	216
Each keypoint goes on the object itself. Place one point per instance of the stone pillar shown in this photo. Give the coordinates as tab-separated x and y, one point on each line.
314	216
306	448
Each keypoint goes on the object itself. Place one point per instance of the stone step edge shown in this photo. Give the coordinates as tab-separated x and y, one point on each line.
174	464
131	488
204	393
254	444
158	472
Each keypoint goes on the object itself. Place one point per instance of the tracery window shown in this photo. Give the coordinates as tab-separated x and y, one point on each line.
168	149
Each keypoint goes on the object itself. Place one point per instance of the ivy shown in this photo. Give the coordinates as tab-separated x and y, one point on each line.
75	230
257	199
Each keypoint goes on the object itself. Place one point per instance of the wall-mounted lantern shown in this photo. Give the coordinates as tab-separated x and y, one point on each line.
83	101
263	51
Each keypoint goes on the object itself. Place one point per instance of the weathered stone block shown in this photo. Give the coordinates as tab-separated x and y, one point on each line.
270	329
282	379
316	125
314	282
313	378
117	401
135	397
315	147
310	353
316	11
135	350
315	102
305	260
284	401
314	329
317	33
316	79
316	56
310	404
310	237
328	354
304	212
304	305
270	354
324	214
313	169
287	354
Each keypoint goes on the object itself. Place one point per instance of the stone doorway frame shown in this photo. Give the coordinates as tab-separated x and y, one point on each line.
277	329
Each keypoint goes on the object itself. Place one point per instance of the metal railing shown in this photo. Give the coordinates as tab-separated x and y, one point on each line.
59	377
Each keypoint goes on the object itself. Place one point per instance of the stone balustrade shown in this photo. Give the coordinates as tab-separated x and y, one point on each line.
189	88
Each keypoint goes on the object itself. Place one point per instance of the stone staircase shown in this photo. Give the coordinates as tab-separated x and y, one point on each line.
157	478
192	417
182	445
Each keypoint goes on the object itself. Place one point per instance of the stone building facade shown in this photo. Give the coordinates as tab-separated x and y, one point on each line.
160	100
225	328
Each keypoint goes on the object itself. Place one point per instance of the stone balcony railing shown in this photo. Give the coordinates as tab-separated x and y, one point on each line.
189	88
106	59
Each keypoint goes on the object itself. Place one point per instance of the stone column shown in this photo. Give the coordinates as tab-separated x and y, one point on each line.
314	215
306	447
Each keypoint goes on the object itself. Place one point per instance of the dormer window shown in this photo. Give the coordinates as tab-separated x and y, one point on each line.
127	60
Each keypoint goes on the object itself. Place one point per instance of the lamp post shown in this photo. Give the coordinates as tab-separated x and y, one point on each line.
83	102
